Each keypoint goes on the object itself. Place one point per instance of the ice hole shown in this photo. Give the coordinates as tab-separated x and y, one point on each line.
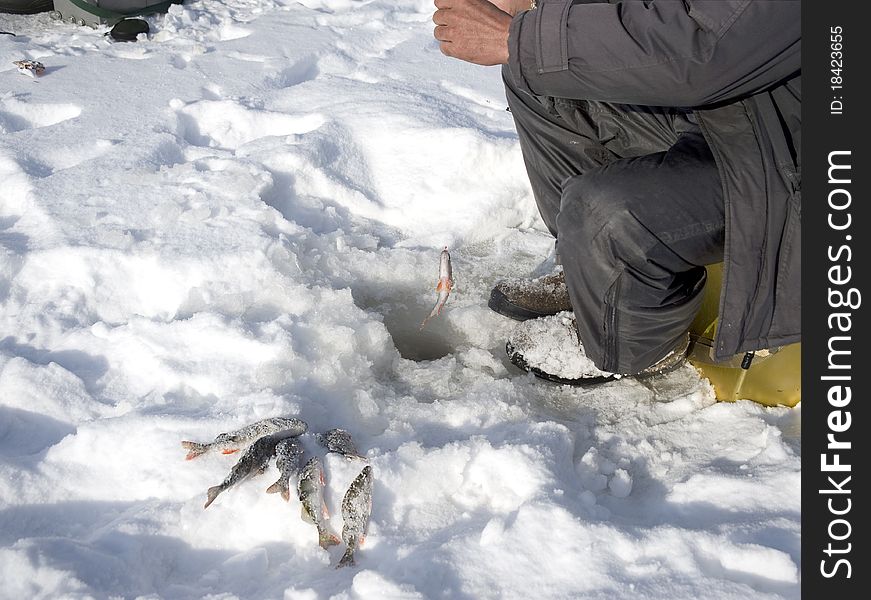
402	317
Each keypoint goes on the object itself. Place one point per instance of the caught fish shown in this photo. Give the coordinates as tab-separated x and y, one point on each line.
31	68
311	493
288	459
231	442
356	508
339	441
444	286
253	461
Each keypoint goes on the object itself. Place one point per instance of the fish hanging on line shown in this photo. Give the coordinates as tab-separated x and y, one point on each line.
444	286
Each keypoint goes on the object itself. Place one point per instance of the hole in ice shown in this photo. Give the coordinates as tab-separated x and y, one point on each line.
403	324
402	319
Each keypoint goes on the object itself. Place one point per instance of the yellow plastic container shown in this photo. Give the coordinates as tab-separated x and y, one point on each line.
773	379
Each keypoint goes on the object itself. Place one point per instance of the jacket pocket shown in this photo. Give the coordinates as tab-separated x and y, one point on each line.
552	34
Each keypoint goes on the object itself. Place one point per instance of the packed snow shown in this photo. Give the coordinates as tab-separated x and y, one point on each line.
239	217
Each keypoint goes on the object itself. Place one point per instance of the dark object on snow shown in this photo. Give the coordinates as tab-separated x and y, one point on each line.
7	33
24	7
128	29
109	12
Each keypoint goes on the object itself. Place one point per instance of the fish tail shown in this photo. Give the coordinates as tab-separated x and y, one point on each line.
426	320
213	493
327	539
347	559
195	449
285	493
276	487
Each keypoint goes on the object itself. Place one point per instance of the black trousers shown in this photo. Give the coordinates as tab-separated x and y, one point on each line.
633	197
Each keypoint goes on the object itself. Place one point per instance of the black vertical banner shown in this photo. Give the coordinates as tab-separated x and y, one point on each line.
836	363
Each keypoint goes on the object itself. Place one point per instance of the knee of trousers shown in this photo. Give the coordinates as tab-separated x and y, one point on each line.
596	223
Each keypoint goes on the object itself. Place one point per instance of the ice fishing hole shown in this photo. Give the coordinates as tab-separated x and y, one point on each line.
402	319
403	324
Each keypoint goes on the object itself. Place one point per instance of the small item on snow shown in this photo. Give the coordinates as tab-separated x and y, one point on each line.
339	441
254	461
128	29
444	286
311	494
288	459
356	508
31	68
7	33
231	442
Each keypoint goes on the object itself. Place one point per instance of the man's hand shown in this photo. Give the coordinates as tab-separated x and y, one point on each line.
472	30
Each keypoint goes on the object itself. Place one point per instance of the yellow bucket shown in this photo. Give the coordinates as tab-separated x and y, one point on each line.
773	379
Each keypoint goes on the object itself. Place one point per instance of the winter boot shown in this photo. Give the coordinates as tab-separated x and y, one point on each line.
549	348
530	298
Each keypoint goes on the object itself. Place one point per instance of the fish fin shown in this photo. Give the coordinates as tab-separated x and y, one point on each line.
229	451
347	559
276	487
213	493
195	449
285	493
326	510
327	539
303	513
361	541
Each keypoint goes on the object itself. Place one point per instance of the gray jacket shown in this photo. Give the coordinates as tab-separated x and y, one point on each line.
737	63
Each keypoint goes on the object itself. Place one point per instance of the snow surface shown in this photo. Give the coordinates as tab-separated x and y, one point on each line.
241	217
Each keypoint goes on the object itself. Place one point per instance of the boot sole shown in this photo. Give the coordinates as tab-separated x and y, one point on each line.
500	303
518	361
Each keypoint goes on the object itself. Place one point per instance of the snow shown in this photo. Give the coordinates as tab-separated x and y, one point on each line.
241	217
551	344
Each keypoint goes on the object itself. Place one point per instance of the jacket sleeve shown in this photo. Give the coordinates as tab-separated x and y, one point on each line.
655	52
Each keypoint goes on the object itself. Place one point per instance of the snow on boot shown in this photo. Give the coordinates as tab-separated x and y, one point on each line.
528	298
549	347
